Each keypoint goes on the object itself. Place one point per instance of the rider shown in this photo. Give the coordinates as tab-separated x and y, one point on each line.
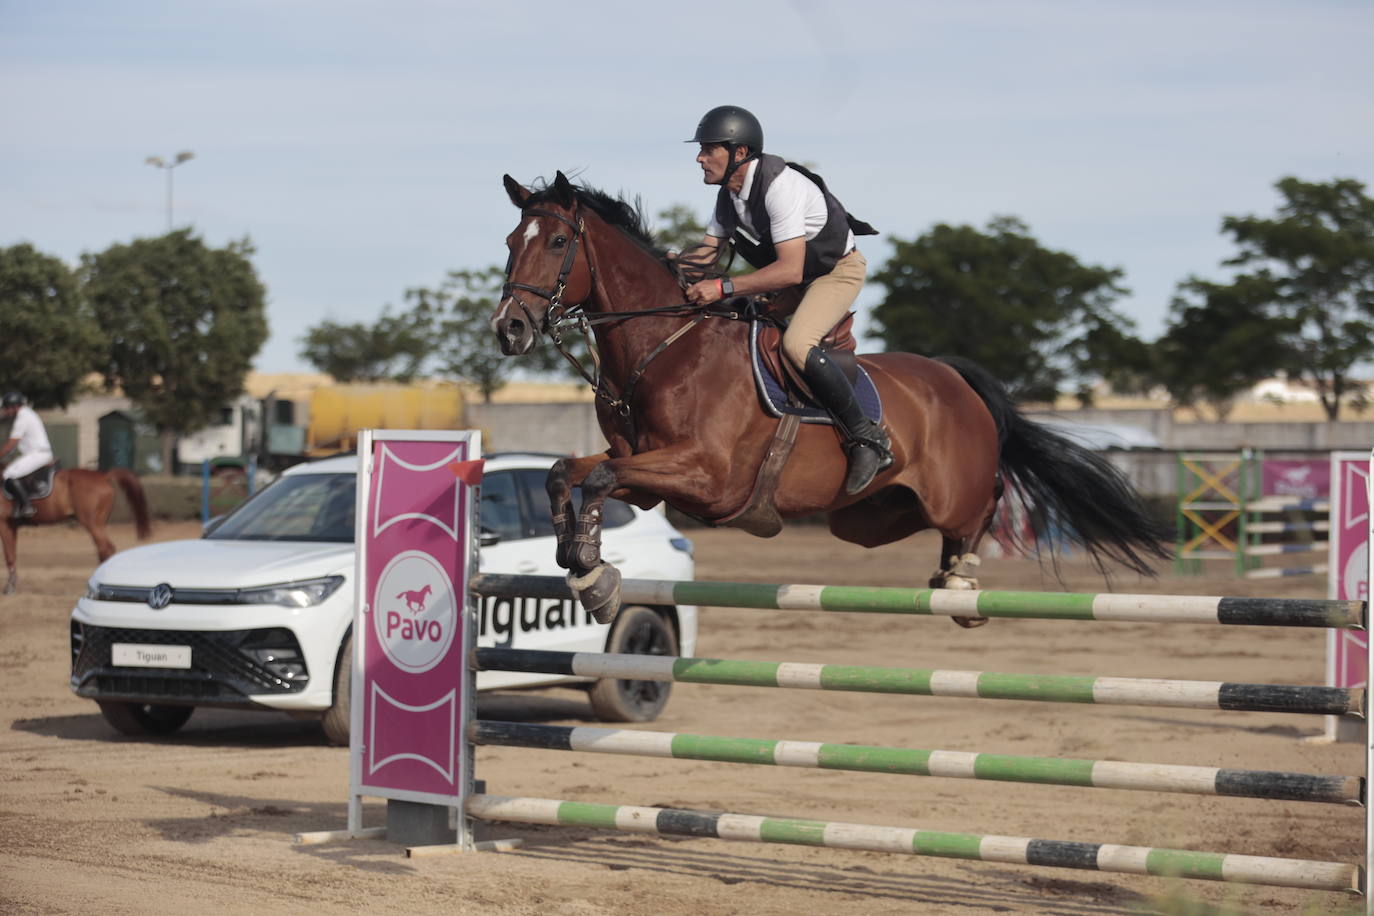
31	439
805	236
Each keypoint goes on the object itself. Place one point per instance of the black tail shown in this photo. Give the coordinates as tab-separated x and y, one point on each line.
1068	490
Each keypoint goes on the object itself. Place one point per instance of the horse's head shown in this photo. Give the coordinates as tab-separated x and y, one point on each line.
547	270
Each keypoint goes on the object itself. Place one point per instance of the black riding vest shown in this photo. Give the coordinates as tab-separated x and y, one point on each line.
822	252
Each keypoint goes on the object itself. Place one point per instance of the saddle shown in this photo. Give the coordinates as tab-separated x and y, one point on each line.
781	388
38	484
785	395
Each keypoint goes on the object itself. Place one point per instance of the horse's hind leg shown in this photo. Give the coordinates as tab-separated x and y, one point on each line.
10	536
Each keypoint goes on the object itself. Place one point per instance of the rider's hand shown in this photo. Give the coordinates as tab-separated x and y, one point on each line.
704	292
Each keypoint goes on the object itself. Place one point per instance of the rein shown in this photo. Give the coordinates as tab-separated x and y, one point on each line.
558	317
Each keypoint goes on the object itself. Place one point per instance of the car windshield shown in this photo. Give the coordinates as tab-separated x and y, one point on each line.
299	507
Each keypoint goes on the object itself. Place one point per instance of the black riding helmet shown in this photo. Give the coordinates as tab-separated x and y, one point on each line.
13	399
731	126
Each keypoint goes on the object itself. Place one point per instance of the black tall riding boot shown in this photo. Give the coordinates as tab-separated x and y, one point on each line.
867	445
23	508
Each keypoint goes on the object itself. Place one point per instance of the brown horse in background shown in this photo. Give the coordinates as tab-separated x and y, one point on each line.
86	495
676	400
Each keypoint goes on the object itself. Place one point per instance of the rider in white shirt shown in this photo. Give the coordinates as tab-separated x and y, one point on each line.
786	224
29	438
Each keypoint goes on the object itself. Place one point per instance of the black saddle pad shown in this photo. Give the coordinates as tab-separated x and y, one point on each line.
39	483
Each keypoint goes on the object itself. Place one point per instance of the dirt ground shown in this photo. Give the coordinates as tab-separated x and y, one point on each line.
92	822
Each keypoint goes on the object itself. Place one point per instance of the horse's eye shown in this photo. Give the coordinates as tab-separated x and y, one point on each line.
559	241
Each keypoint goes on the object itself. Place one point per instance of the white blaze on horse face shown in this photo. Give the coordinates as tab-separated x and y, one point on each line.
531	231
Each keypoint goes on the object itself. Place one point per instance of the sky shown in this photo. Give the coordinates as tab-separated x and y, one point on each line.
361	146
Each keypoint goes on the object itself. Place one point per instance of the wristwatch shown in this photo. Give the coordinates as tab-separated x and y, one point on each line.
727	287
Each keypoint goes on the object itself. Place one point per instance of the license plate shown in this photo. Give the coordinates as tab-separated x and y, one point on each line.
133	655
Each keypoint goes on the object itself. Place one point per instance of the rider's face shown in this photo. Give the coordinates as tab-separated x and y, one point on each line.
713	159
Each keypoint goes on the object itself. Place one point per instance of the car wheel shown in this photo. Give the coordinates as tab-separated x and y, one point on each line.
639	631
337	717
144	719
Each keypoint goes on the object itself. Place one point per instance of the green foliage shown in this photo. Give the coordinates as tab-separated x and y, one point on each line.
395	348
460	313
183	322
1218	344
49	341
1036	318
679	228
1310	269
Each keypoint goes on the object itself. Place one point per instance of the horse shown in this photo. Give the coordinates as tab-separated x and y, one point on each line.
415	600
86	495
676	400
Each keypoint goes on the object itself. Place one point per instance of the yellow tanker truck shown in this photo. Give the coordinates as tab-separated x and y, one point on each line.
338	412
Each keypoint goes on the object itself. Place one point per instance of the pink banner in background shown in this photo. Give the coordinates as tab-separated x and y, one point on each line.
1300	479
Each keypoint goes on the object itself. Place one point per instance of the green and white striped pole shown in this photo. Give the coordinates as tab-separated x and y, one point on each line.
1104	857
1277	612
1115	691
1098	774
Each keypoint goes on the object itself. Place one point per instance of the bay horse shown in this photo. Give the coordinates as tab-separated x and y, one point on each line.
676	400
86	495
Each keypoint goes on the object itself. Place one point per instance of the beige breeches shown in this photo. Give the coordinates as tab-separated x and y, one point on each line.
824	304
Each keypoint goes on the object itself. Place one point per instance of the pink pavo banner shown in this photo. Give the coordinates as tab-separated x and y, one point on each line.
415	546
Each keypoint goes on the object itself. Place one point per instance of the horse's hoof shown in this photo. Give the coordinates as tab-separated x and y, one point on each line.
598	591
9	589
970	623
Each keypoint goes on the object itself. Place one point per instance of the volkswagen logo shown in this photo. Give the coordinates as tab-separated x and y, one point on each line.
160	596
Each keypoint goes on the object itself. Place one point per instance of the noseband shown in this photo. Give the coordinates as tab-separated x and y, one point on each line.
554	313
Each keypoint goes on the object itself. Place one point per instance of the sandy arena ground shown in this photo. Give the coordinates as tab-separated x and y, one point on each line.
92	822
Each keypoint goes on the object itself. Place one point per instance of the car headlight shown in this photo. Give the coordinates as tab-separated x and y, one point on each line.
97	592
307	593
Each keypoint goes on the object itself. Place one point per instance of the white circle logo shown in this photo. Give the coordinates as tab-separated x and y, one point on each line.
414	612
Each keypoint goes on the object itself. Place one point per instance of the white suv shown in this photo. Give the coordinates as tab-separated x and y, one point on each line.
259	612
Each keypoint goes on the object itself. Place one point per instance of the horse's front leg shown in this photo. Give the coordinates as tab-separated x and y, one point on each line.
595	582
563	476
673	473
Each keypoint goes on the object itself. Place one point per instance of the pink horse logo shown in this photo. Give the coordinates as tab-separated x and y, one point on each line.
415	601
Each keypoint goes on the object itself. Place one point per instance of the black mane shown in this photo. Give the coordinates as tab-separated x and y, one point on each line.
624	215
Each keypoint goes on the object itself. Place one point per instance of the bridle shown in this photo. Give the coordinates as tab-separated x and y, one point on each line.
554	314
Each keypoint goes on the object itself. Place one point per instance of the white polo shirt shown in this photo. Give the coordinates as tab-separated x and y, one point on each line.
28	429
796	208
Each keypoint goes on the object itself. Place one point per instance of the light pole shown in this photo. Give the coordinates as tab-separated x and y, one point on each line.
161	163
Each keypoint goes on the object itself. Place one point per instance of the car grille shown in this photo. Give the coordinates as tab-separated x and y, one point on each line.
221	669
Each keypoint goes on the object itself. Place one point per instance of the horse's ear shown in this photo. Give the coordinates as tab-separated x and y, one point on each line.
518	194
563	189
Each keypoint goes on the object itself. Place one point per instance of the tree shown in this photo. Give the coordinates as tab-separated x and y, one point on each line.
49	341
395	348
183	322
1036	318
461	310
679	228
1310	271
1217	345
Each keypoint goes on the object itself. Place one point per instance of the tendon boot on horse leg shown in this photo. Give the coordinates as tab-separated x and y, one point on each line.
559	487
23	507
959	570
594	582
866	444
